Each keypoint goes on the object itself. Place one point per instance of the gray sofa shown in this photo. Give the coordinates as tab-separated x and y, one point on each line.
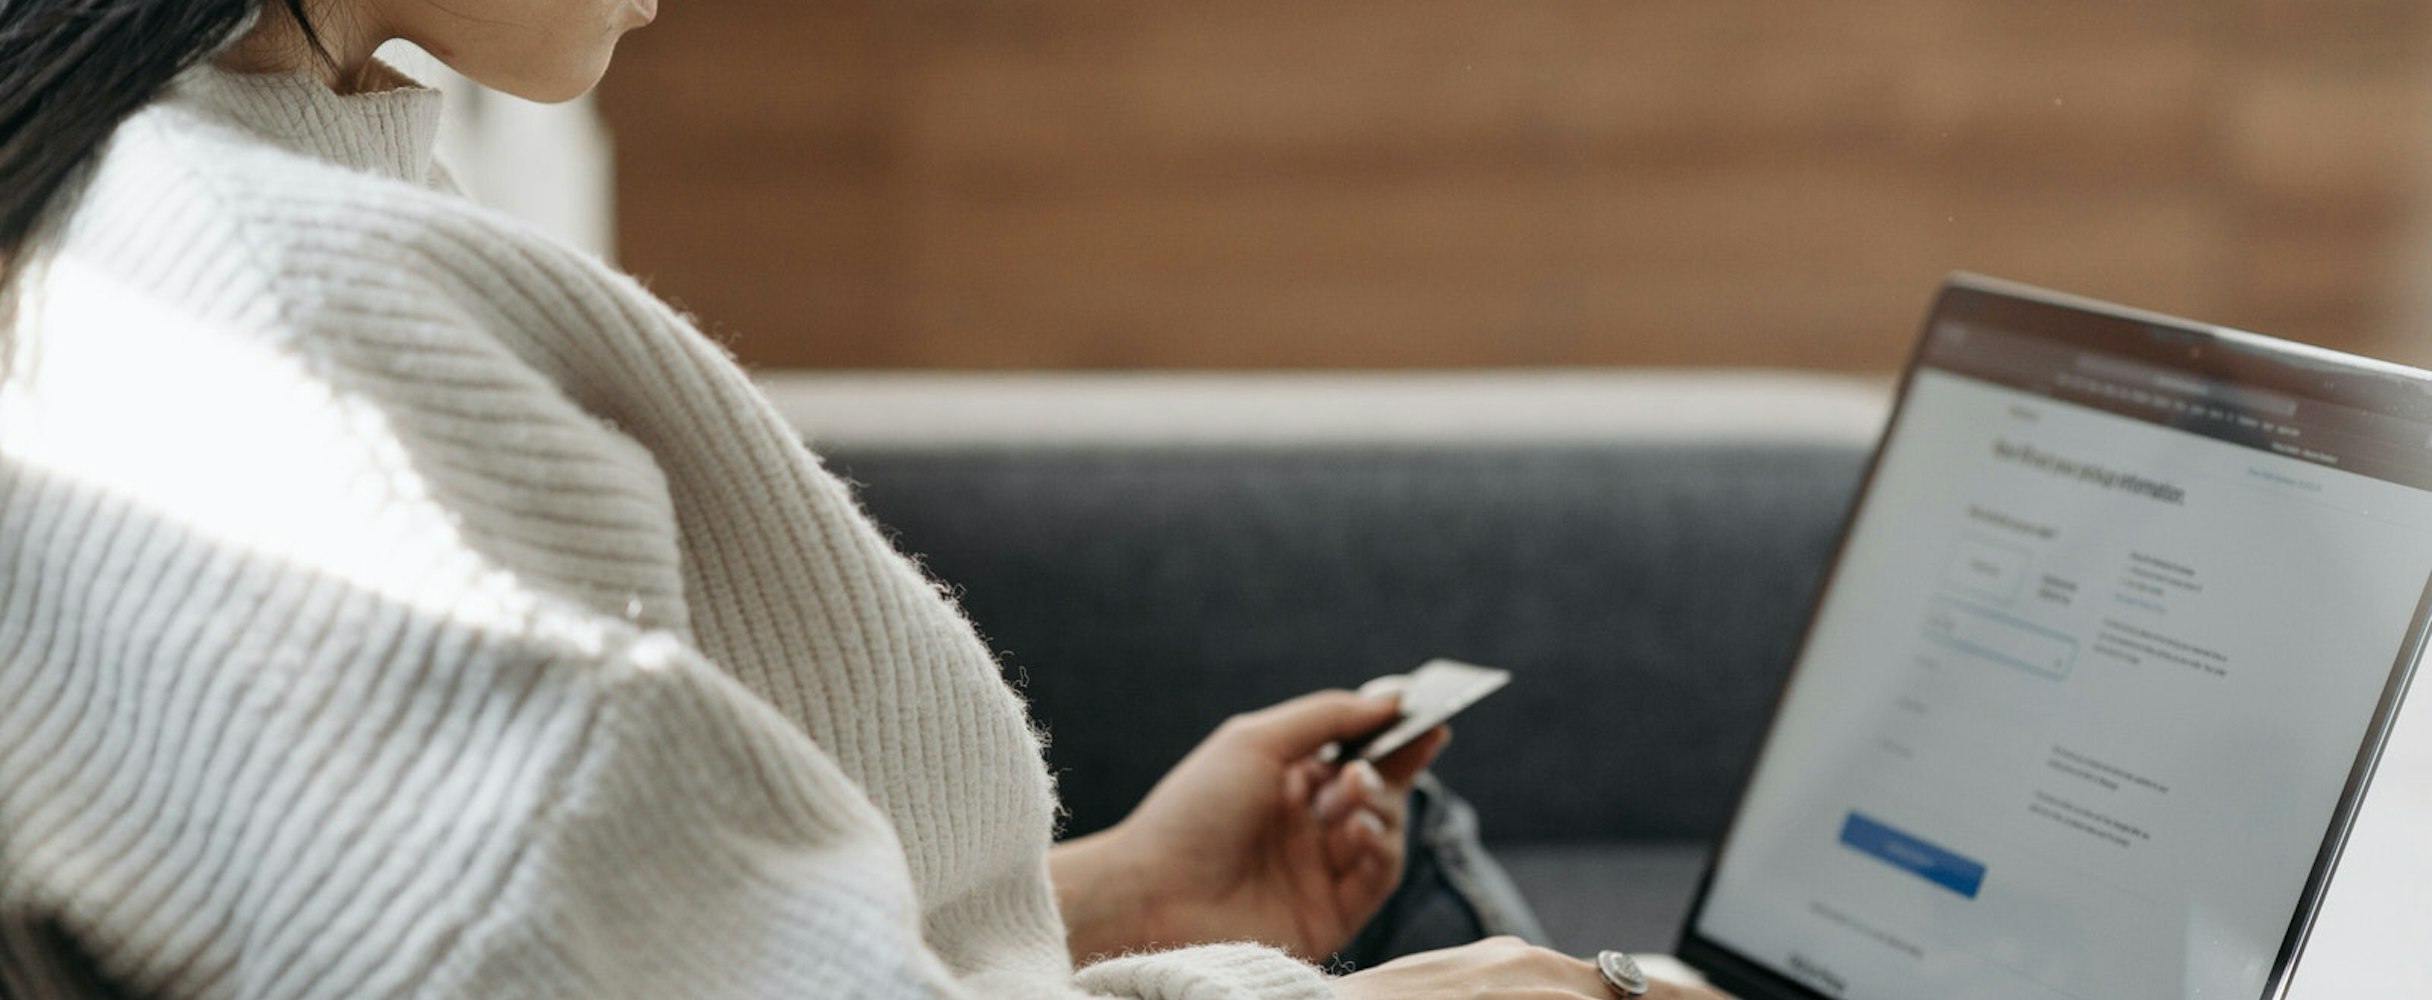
1152	553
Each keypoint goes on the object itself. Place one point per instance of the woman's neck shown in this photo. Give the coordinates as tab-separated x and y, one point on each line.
342	59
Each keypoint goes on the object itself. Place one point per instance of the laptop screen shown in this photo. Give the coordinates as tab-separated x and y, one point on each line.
2096	674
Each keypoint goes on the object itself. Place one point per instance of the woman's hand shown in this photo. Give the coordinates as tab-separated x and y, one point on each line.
1251	838
1495	969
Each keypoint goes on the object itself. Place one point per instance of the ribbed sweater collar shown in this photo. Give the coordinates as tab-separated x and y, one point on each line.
389	131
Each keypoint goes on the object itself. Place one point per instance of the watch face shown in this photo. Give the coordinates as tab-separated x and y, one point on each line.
1621	972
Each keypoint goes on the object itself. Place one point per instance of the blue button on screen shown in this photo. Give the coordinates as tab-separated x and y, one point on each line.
1911	854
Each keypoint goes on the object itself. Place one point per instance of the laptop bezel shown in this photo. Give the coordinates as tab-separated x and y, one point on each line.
2229	355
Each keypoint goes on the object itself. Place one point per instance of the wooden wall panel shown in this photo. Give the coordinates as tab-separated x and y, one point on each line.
1261	183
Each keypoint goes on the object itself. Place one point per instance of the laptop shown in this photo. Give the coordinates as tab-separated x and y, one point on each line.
2098	675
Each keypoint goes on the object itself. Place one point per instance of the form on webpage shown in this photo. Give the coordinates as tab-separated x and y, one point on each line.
2077	709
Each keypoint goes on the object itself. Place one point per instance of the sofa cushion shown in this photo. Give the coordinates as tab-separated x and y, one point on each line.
1152	552
1646	597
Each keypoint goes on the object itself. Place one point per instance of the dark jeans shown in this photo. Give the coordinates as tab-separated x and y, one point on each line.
1452	892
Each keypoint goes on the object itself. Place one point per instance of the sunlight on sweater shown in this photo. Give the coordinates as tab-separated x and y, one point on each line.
243	446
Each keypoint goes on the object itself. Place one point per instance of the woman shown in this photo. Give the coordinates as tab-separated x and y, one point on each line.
393	601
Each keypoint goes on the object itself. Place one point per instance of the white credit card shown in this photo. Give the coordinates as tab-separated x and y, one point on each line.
1435	692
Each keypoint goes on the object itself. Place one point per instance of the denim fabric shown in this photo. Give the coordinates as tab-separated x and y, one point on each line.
1452	891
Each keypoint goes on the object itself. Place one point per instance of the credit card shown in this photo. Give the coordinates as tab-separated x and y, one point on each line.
1435	692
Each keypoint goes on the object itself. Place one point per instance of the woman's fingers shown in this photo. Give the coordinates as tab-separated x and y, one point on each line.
1403	765
1365	862
1388	799
1358	786
1352	786
1333	798
1297	728
1300	782
1500	968
1360	815
1360	835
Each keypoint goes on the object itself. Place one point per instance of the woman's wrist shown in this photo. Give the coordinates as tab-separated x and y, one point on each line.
1102	887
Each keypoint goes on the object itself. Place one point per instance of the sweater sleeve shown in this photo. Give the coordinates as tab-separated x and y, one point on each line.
708	843
692	843
1210	972
385	667
696	845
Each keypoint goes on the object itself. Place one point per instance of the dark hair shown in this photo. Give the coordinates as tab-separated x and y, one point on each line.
72	70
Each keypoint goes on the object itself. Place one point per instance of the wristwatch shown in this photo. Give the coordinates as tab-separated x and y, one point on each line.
1620	972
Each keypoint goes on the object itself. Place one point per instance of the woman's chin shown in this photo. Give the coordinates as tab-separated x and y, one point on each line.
555	86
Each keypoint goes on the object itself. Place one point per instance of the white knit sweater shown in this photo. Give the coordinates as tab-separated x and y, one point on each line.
394	602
